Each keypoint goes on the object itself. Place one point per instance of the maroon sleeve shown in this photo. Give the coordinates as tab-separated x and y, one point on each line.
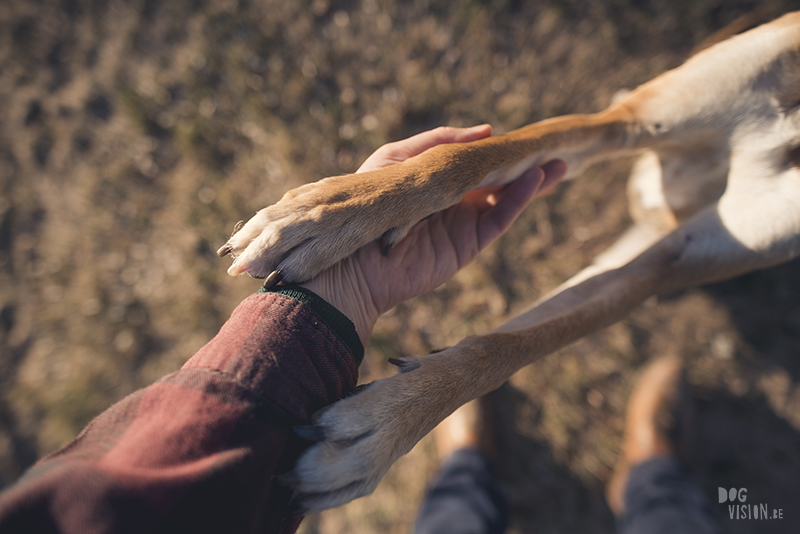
198	451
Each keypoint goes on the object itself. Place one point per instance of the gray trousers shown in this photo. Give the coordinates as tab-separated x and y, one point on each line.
660	497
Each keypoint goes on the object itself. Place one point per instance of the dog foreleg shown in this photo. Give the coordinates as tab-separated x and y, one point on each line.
363	435
316	225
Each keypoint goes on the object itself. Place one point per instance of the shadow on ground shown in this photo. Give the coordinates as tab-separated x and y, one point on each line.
740	436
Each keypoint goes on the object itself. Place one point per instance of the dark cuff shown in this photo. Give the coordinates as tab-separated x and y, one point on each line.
338	322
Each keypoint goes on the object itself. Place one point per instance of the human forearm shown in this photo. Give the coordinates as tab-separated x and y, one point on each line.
197	450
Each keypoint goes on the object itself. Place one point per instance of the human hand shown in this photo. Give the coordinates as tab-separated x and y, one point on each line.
366	284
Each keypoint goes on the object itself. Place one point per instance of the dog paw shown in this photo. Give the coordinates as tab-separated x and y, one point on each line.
310	228
315	225
360	437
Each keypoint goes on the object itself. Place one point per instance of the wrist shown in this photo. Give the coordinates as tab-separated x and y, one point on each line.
343	289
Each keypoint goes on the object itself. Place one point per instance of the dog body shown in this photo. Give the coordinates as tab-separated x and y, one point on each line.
714	194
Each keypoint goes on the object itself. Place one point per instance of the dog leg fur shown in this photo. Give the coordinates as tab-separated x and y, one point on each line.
687	116
742	138
366	433
316	225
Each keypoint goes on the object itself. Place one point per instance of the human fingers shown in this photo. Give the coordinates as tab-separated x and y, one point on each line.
399	151
507	203
554	171
502	207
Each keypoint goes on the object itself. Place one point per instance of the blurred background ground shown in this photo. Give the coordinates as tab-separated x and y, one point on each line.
134	134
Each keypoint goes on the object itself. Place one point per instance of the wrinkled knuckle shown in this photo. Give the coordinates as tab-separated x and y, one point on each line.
445	132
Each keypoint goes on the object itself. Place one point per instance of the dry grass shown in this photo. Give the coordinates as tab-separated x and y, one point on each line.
134	134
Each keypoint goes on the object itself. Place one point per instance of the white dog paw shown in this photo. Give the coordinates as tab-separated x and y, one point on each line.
360	437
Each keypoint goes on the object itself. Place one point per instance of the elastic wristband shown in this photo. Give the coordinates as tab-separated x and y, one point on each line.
338	322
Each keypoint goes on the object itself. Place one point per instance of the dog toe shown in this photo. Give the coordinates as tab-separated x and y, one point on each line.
390	238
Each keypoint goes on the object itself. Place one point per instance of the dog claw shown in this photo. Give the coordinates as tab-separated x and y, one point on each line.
224	250
386	244
273	279
310	432
404	365
389	239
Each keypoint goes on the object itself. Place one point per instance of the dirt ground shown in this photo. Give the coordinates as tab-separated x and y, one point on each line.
134	134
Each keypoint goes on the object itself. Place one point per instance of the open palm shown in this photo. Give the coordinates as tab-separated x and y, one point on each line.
367	283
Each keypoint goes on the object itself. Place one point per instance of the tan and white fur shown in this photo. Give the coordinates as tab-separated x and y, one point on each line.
715	193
